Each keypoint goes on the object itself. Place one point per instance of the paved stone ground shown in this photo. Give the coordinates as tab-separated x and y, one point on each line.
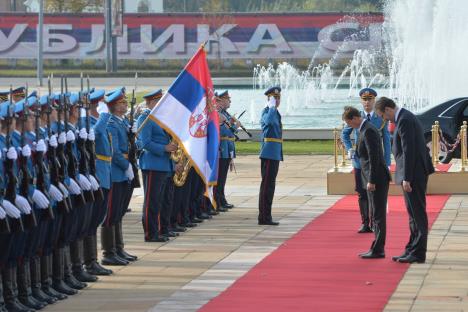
183	274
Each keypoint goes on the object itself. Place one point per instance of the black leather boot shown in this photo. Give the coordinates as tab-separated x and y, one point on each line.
69	278
2	301
24	287
10	292
35	266
80	274
90	257
119	244
59	274
46	279
109	254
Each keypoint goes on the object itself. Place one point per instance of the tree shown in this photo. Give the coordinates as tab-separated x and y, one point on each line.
73	6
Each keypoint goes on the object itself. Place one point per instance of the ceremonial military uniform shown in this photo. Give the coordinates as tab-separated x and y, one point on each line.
381	125
156	167
103	151
227	152
271	153
121	177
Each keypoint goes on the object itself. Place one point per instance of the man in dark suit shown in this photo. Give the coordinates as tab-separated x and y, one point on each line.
413	167
375	176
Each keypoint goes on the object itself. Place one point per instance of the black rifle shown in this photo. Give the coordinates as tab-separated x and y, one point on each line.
25	178
39	163
230	126
54	165
12	181
132	150
91	146
84	157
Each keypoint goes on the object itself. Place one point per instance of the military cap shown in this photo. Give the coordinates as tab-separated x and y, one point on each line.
122	89
21	91
34	93
273	91
114	97
19	106
43	100
4	95
153	95
222	94
96	95
4	109
73	99
367	92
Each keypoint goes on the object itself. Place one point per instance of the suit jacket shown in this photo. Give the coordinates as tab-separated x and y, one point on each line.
413	162
381	125
371	157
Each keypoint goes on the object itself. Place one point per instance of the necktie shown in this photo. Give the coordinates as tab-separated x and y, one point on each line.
368	117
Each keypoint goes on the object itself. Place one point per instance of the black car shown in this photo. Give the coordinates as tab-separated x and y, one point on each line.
450	115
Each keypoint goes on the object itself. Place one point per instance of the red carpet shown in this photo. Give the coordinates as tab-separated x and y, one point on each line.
318	268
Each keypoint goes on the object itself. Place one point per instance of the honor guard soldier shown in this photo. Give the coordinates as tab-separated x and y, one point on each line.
271	153
157	168
367	96
98	122
121	176
227	147
9	215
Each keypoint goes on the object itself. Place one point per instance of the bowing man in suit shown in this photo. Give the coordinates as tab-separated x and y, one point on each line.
374	175
367	96
413	167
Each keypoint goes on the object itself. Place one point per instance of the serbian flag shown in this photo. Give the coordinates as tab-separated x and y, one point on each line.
188	113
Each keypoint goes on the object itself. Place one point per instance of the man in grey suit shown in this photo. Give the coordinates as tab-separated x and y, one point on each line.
375	176
413	167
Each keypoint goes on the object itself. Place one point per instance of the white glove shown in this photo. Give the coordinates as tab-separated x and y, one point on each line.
91	135
350	153
40	199
82	112
22	204
129	173
2	214
11	210
64	190
70	136
134	128
271	102
94	183
102	108
53	141
55	193
84	183
12	154
83	134
26	151
62	139
41	147
74	188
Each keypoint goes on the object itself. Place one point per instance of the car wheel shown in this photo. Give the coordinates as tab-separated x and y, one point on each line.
445	156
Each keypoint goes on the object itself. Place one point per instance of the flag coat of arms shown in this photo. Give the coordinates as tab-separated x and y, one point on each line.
188	113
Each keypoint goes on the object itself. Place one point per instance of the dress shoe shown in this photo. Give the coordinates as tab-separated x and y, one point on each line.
372	255
95	268
190	224
395	258
411	259
228	206
170	234
204	216
213	213
196	220
178	229
125	255
113	260
84	276
222	209
365	229
268	223
157	239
